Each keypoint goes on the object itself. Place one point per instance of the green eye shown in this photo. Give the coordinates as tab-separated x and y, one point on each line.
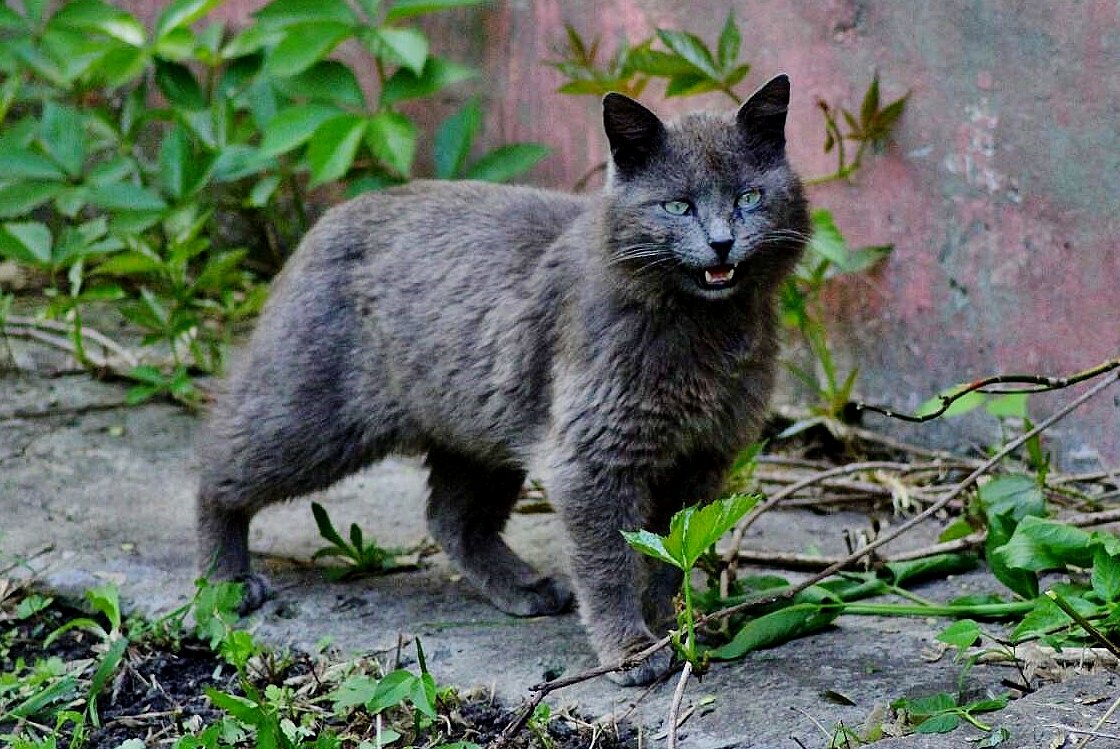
677	207
749	198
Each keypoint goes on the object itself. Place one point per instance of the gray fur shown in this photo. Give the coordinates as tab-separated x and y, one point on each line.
494	326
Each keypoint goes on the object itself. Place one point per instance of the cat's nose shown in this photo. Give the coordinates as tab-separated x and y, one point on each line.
722	247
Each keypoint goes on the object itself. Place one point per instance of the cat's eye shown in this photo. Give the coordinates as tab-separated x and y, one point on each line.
677	207
749	198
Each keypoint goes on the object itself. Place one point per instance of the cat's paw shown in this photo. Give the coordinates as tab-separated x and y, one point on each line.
543	596
256	590
651	669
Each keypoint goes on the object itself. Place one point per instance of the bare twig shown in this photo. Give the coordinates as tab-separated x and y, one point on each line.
1096	727
675	707
107	343
1034	383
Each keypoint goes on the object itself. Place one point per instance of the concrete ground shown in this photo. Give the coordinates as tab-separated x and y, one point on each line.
109	490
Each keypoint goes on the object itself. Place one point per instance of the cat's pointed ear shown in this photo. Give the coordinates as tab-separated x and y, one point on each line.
763	115
633	131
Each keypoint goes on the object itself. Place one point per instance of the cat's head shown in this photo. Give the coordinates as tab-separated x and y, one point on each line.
704	205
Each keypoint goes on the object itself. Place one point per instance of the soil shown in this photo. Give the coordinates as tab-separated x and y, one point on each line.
159	692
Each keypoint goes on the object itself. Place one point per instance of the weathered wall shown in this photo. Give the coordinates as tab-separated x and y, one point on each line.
999	192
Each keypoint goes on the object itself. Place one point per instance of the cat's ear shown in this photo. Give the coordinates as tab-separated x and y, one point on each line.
763	115
633	131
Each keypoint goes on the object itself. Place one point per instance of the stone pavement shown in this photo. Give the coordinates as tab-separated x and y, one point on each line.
110	491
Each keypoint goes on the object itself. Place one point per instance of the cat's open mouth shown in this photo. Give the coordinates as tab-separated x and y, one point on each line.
717	276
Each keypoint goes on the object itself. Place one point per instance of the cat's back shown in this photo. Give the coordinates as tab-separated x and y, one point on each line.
442	220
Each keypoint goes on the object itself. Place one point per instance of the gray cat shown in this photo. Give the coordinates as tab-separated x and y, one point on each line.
622	344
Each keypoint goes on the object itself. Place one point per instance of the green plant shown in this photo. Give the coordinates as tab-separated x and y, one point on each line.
361	557
692	531
136	161
942	712
689	66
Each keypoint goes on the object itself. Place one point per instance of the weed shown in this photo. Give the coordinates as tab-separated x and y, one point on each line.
361	556
114	198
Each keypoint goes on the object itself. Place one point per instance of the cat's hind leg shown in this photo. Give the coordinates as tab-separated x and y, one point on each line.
467	509
254	458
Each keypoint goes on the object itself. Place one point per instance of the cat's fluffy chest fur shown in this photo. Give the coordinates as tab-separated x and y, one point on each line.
627	340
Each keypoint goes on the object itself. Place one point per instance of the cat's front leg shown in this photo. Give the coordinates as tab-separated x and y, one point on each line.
596	503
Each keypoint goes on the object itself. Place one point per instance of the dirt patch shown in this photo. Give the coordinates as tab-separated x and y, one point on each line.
158	693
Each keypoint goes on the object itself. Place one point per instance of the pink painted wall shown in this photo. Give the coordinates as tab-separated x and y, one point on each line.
999	193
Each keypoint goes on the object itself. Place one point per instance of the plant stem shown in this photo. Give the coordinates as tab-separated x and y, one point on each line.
690	621
983	611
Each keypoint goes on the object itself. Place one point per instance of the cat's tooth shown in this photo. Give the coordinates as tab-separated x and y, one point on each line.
708	277
730	272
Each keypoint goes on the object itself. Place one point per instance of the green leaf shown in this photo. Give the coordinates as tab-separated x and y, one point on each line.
106	668
652	545
27	242
865	258
263	190
355	690
777	627
401	9
994	738
508	161
284	13
391	691
237	161
106	600
125	196
1014	496
694	529
325	81
333	147
21	197
870	105
409	46
943	723
961	634
178	84
656	62
455	137
179	13
931	567
303	45
1106	574
28	165
1046	617
437	75
692	49
959	528
690	84
827	242
1039	545
245	710
392	139
294	126
128	264
729	42
1022	582
100	16
1008	406
62	134
326	528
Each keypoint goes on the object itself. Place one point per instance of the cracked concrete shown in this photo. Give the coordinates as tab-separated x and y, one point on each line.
109	491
